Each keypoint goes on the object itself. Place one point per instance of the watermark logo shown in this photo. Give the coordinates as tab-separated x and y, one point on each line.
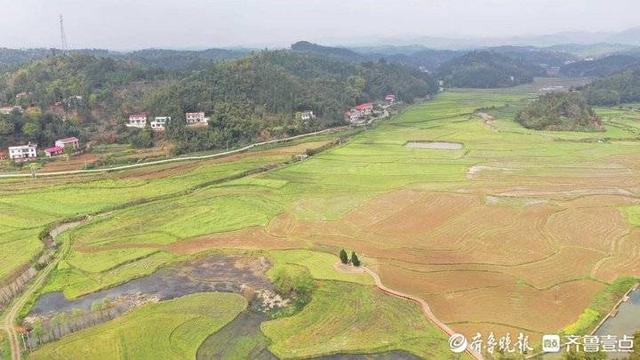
551	343
458	343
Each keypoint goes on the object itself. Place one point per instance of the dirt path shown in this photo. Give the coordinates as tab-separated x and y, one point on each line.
8	323
425	308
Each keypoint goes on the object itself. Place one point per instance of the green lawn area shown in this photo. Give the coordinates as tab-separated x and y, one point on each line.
167	330
320	265
352	318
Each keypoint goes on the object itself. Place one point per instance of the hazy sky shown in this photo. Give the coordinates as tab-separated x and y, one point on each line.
119	24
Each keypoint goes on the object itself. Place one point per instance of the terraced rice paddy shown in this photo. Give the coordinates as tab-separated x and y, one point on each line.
517	231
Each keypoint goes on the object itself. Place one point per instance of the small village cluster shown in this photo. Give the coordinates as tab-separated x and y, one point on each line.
159	123
29	152
360	113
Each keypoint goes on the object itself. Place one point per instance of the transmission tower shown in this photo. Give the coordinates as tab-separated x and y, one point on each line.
63	37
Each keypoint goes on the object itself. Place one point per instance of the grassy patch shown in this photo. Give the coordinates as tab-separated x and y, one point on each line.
320	265
352	318
167	330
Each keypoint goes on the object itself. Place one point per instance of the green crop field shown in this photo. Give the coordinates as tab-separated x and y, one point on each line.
517	230
350	318
26	206
167	330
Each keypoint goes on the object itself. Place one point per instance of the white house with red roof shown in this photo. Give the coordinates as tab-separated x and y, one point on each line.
138	120
365	109
53	151
390	99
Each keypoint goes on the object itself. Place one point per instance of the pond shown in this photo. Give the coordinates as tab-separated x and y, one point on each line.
211	273
626	321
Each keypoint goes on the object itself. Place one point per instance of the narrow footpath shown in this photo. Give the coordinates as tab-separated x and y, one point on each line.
425	308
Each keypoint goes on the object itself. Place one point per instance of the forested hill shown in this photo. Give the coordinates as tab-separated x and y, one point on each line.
559	112
600	67
487	69
254	96
622	87
160	58
337	53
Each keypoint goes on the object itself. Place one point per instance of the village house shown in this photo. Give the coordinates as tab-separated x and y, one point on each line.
196	118
23	153
353	116
53	151
8	109
305	115
159	122
23	95
390	99
71	142
365	109
137	120
3	155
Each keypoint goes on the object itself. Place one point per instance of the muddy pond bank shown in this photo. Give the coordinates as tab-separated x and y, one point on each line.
211	273
54	316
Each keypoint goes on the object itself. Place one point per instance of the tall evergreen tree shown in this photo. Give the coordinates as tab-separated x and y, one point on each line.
344	258
354	259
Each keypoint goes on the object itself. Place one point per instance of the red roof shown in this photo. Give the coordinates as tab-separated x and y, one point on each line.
54	150
364	106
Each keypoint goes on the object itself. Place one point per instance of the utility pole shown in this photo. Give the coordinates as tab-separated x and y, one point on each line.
63	37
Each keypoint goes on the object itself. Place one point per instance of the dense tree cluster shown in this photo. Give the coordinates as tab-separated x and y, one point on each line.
600	67
34	126
623	87
487	69
559	111
252	98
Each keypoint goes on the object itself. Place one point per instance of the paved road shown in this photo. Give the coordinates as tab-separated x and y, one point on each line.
425	308
176	159
191	158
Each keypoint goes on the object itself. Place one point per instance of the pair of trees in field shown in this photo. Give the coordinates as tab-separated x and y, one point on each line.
344	258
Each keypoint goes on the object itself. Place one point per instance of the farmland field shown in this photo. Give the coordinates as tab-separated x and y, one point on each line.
167	330
515	231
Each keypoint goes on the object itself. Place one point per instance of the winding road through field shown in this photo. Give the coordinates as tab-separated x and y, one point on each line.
425	308
9	320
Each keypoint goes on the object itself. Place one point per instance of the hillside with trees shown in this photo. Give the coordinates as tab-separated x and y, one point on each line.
600	67
623	87
336	53
533	55
486	69
255	97
559	112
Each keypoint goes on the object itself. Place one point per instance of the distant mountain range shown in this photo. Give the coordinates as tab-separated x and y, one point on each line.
629	37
